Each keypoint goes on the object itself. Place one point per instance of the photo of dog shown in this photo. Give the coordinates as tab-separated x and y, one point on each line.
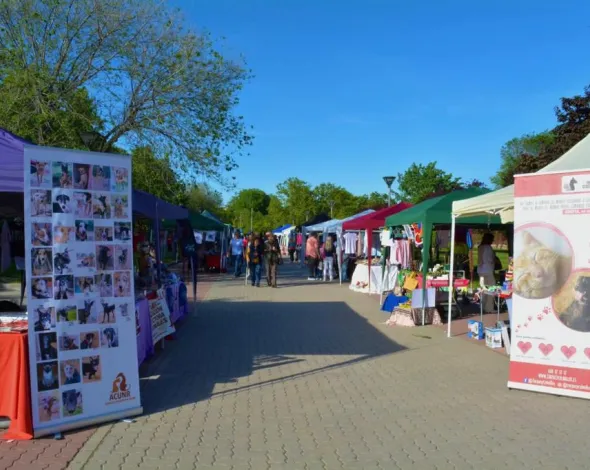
66	313
120	206
104	281
87	311
120	179
69	342
81	176
123	231
62	260
62	175
47	376
103	234
124	311
108	312
86	262
104	257
85	286
100	178
41	234
84	230
110	337
69	372
63	234
90	340
63	288
122	284
40	174
123	255
82	204
41	203
46	347
42	288
41	261
49	406
101	206
72	403
91	369
44	318
63	202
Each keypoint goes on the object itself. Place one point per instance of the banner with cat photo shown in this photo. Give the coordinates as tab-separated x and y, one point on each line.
80	289
550	322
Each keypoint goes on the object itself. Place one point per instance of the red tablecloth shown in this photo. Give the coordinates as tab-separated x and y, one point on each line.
213	262
15	391
438	283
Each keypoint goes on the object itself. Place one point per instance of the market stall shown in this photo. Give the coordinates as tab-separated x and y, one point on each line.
370	223
437	212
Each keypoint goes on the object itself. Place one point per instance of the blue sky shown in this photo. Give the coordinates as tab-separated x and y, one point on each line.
349	91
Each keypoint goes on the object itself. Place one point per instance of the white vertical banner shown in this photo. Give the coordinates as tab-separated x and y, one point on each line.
80	287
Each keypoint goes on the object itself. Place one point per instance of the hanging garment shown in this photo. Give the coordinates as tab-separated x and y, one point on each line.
350	243
443	238
6	239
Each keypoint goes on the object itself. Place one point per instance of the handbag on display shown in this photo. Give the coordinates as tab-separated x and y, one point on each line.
411	282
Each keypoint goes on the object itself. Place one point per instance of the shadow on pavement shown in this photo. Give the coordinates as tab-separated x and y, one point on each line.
229	341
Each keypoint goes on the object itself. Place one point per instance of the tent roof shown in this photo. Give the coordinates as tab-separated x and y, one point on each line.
375	219
438	210
502	200
316	220
208	214
333	224
282	228
198	222
153	207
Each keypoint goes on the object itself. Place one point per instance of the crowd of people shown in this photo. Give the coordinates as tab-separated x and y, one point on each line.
256	251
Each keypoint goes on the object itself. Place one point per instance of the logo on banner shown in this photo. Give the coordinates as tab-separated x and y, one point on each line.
121	390
575	183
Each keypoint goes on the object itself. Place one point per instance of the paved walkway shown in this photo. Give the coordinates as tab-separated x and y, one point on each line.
306	376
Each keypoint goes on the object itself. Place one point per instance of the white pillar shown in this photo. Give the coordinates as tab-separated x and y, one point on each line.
452	268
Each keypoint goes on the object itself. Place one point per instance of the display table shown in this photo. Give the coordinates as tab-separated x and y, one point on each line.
213	262
498	296
145	346
361	275
15	390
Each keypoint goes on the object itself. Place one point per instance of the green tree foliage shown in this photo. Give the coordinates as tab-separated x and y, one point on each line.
155	176
276	213
419	182
153	81
334	200
250	206
518	150
297	198
373	200
202	197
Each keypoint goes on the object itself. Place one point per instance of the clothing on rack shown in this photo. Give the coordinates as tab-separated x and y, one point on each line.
401	253
443	238
350	243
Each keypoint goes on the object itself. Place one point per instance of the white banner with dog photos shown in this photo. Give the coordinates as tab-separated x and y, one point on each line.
79	255
550	321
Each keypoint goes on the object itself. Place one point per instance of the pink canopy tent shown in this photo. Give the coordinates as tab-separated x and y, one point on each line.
374	221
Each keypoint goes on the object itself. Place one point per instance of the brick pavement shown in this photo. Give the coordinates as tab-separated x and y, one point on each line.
305	376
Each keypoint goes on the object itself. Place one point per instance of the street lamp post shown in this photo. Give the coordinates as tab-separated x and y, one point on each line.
332	209
389	181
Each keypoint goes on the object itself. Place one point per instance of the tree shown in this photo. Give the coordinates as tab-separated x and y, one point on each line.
155	176
32	111
373	200
153	80
297	198
419	182
249	204
334	200
276	213
202	197
515	150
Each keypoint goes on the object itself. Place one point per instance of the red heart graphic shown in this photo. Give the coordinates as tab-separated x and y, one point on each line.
524	347
546	348
568	351
587	352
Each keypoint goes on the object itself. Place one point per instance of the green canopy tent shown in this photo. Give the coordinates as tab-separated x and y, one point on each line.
198	222
437	211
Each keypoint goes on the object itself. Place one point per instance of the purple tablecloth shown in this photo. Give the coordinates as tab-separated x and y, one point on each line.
145	347
178	311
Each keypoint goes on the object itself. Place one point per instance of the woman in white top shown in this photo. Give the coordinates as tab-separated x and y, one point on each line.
486	262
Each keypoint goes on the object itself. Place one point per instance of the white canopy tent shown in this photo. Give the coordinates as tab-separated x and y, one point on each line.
501	202
330	226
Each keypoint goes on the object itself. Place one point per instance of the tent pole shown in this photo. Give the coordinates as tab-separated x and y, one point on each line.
452	268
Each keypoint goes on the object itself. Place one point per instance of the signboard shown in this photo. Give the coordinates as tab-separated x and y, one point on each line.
550	321
160	315
80	286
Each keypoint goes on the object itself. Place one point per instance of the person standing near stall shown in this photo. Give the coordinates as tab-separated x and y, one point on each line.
237	254
329	254
292	246
486	262
272	254
254	256
312	255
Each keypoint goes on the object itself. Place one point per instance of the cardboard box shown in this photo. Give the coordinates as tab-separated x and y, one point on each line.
475	329
494	338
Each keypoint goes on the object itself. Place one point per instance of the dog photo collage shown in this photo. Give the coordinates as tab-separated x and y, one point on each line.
81	277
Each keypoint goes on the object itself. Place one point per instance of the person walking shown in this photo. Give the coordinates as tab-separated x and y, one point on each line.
237	254
292	246
329	254
486	261
254	257
312	255
272	254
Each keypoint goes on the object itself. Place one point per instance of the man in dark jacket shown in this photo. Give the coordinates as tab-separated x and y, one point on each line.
272	258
